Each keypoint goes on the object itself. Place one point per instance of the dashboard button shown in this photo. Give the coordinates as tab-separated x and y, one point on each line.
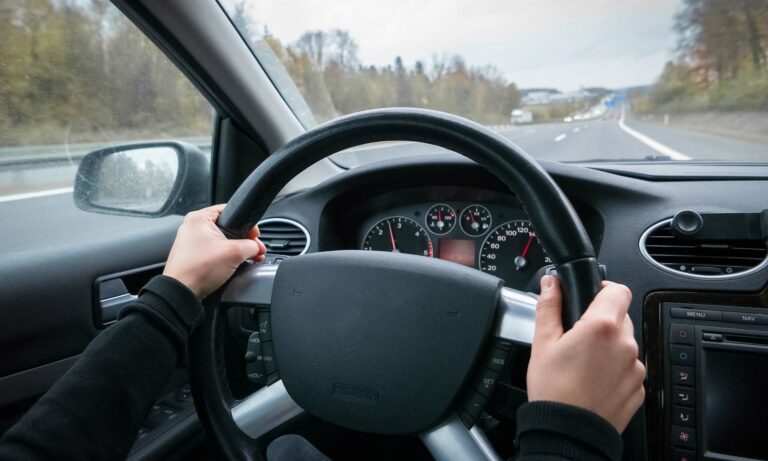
683	437
682	355
682	416
745	317
683	375
683	396
695	314
680	333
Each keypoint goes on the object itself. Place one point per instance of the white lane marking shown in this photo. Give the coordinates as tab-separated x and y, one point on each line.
42	193
652	143
560	137
576	130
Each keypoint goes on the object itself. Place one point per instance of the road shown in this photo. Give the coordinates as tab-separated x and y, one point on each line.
31	194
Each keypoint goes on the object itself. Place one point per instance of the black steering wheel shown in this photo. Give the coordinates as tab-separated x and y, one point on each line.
374	341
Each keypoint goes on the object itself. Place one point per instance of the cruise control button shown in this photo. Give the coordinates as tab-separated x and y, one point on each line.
695	314
683	416
682	355
486	382
497	359
683	396
680	333
474	404
683	437
683	375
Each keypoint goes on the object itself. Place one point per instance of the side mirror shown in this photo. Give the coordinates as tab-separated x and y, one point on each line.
147	179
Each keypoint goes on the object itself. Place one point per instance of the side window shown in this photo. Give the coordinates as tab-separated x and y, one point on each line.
78	77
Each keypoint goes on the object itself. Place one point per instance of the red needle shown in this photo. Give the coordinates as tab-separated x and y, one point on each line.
472	216
439	215
392	236
527	246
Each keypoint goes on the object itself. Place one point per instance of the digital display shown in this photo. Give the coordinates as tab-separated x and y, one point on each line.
735	403
457	250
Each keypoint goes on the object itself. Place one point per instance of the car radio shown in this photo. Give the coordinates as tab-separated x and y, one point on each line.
715	397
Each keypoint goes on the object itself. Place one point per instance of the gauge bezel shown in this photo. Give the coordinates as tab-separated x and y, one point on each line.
493	231
490	225
426	216
379	221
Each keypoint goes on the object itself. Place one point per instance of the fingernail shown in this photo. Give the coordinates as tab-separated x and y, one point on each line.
546	282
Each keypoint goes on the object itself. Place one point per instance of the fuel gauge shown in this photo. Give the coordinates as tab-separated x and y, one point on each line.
476	220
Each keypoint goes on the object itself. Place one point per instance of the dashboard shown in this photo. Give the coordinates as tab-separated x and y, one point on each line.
495	235
450	208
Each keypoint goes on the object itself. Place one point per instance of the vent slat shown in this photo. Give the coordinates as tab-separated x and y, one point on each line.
731	256
283	237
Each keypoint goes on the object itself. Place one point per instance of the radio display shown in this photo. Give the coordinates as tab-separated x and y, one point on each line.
735	404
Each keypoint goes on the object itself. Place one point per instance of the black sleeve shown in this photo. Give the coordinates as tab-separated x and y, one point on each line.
95	410
550	431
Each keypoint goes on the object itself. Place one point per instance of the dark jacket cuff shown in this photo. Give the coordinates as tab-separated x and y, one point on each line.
552	428
171	306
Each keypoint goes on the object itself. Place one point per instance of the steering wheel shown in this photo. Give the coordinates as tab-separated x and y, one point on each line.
379	342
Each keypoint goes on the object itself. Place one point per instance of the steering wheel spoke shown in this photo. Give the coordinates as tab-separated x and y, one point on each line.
451	440
516	316
265	410
251	285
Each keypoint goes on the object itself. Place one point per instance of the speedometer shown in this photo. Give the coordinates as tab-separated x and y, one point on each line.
398	235
513	253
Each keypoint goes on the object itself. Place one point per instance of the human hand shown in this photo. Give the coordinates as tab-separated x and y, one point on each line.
595	364
202	258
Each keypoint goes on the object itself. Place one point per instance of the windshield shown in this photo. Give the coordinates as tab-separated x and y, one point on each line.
593	80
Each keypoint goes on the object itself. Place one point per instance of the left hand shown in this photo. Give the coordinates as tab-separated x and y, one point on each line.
203	258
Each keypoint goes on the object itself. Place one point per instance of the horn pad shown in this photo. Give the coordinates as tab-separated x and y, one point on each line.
379	342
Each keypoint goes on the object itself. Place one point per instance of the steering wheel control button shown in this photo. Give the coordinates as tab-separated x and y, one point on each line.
682	355
486	382
264	325
696	314
683	375
682	455
682	416
681	333
683	396
474	404
254	366
497	359
683	437
268	357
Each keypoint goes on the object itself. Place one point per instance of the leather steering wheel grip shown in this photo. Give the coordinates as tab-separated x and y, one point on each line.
562	234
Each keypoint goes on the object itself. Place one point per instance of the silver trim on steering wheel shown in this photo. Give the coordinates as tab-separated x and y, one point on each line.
265	409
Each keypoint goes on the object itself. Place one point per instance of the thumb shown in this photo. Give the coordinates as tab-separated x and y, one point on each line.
549	323
247	248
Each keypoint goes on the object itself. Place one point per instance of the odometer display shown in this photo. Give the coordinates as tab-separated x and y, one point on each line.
398	235
513	253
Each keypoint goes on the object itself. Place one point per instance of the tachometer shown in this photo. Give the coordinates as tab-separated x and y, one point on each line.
513	253
399	235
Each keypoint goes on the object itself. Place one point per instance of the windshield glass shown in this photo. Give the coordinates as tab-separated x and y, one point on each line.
593	80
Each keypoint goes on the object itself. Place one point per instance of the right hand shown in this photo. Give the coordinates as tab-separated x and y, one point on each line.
595	364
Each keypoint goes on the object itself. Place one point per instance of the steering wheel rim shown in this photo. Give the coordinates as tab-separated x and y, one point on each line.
561	231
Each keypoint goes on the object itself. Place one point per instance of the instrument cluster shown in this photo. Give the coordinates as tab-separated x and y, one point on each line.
496	238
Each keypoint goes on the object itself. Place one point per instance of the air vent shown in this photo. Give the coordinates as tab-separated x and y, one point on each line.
283	236
709	259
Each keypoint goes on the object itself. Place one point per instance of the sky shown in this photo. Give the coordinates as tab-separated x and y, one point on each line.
566	44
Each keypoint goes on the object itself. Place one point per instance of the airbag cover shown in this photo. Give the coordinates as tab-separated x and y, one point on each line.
379	342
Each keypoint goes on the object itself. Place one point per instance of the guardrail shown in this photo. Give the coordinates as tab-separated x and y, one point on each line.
64	153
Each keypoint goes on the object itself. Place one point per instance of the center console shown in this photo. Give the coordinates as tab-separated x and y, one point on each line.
708	377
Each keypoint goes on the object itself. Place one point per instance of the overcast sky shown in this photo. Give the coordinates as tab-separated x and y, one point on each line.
555	43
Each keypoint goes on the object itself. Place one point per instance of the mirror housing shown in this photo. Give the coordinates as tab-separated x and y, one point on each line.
155	179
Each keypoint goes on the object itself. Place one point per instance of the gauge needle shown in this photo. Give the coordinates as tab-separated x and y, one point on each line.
520	261
392	236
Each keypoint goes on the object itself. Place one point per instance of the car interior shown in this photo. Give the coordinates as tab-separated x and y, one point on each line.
394	313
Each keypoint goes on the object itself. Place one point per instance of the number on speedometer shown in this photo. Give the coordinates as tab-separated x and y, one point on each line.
513	253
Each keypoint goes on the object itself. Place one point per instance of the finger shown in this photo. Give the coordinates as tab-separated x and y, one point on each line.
611	302
254	232
549	323
213	212
247	249
262	247
629	327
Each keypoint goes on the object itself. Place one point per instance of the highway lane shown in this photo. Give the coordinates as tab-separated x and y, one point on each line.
55	219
